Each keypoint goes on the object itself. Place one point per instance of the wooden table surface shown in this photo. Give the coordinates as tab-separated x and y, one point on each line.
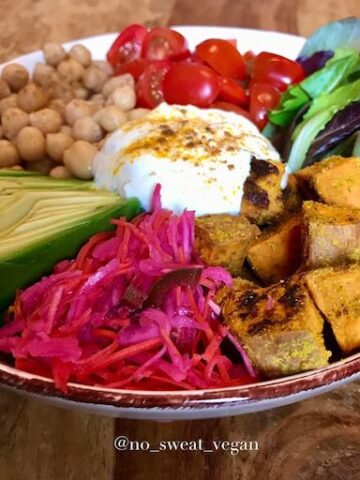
315	439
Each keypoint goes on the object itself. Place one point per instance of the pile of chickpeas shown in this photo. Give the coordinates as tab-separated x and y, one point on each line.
56	120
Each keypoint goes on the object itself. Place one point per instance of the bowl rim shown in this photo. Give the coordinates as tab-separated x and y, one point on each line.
282	387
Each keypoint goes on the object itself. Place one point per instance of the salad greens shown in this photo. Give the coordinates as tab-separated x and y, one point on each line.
307	109
338	34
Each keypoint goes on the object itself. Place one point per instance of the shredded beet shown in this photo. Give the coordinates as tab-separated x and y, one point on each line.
89	321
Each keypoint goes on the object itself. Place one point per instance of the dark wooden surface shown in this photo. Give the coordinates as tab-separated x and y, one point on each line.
314	439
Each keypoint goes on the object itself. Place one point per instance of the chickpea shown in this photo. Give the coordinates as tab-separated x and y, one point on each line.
13	120
46	120
76	109
87	129
53	53
124	97
105	67
70	70
43	166
98	98
95	107
59	106
79	159
9	156
94	79
44	75
4	89
60	172
32	98
118	81
81	54
56	144
110	118
30	142
138	113
8	102
82	93
67	130
61	90
15	75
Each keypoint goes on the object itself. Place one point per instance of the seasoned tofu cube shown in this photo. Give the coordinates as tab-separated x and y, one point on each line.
292	195
263	201
334	181
224	240
336	292
277	253
331	235
279	327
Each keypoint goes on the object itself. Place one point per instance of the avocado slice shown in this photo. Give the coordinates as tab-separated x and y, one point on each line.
43	221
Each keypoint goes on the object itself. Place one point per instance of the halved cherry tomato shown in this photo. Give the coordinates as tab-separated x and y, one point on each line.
135	68
162	43
232	92
232	42
190	83
249	59
263	97
149	87
230	107
127	46
277	70
223	57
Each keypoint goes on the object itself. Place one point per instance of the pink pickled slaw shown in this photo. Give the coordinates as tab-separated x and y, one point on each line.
78	325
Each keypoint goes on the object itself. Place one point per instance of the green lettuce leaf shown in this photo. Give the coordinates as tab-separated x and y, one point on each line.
339	34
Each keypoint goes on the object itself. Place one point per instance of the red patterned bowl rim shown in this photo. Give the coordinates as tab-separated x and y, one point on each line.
344	370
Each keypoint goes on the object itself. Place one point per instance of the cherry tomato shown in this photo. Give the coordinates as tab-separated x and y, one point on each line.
277	70
232	42
232	92
230	107
223	57
163	43
149	87
249	59
263	97
127	46
136	68
190	83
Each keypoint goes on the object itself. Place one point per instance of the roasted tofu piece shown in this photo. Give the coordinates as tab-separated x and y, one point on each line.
279	327
263	201
224	240
336	292
331	235
277	253
292	196
334	181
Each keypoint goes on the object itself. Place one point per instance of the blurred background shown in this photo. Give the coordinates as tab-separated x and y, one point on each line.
25	25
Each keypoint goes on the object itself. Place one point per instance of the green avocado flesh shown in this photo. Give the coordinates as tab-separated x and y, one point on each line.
43	221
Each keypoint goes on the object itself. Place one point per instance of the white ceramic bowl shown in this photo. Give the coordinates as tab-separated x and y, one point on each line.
197	403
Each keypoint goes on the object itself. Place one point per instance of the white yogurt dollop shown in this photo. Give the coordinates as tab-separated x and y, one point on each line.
201	158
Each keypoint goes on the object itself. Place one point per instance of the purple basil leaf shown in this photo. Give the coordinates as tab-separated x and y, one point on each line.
341	126
316	61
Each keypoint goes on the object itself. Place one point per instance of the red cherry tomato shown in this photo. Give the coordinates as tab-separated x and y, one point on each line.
232	42
263	97
277	70
127	46
149	87
135	68
223	57
230	107
190	83
163	43
232	92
